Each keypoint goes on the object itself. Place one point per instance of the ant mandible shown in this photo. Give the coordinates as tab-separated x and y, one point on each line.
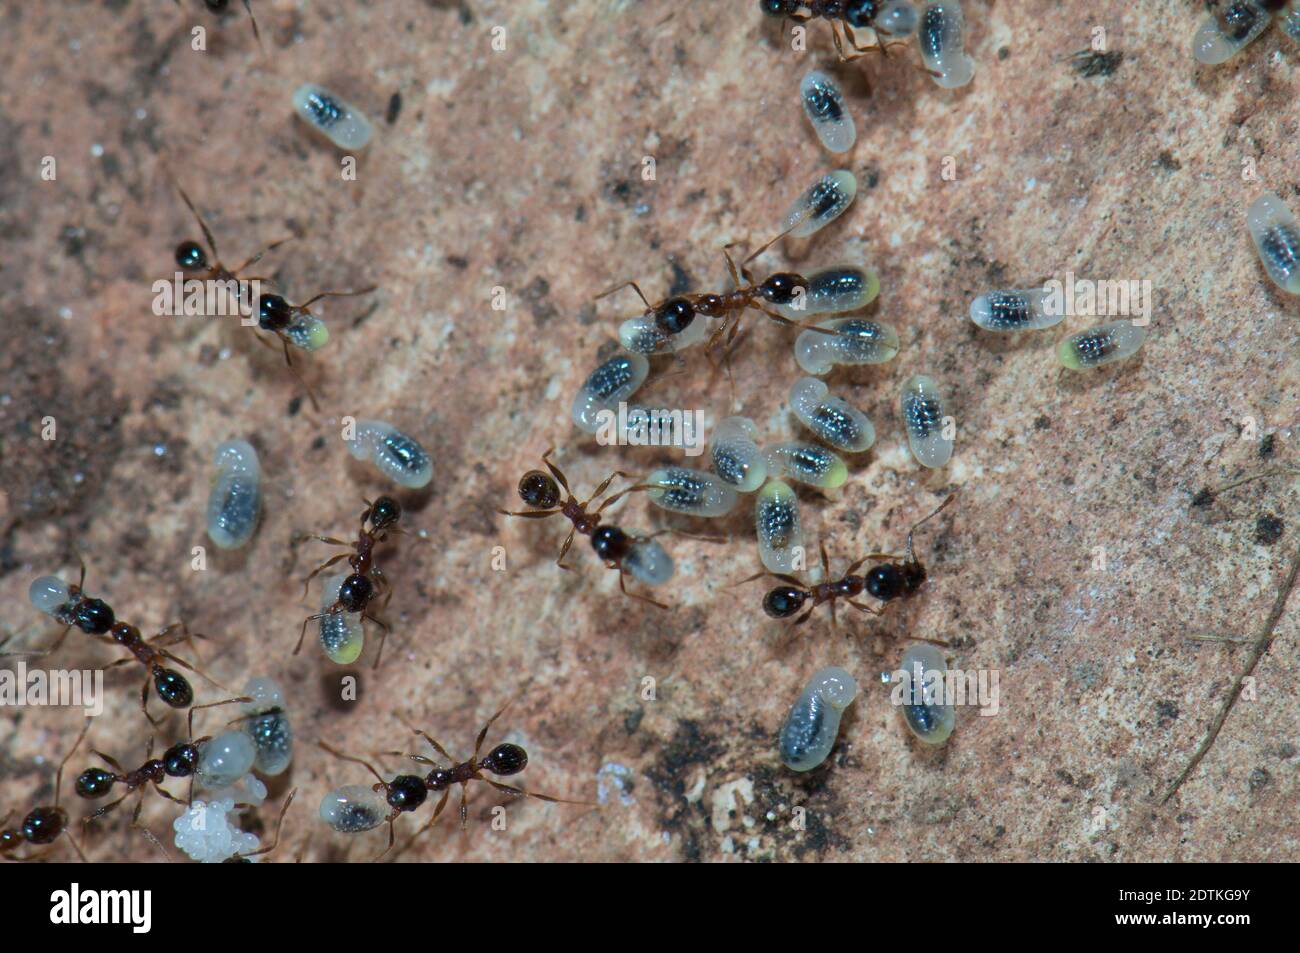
613	545
367	579
407	792
42	825
70	605
844	16
886	582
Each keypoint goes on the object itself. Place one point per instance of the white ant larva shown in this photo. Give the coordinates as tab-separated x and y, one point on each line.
1277	239
820	204
1103	344
397	455
340	121
1016	310
736	456
942	38
807	463
823	103
607	386
832	419
236	495
855	341
780	531
923	414
834	290
342	635
693	492
919	691
1229	30
810	730
266	722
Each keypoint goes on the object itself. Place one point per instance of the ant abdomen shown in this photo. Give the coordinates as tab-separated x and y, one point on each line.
172	687
342	635
662	332
355	592
406	792
648	562
353	808
94	782
784	601
505	760
539	490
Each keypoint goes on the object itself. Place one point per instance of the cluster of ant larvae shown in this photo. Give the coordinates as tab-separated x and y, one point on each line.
397	455
236	495
335	118
208	831
342	636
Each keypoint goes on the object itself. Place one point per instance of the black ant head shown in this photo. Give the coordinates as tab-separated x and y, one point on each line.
273	313
539	490
505	760
180	760
406	792
784	601
94	782
44	824
439	779
780	288
216	6
778	8
384	512
190	256
861	13
674	316
93	616
611	543
356	592
172	687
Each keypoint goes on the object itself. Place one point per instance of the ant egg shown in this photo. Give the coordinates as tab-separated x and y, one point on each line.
810	730
647	561
834	291
898	18
1227	31
923	419
1103	344
832	419
308	332
855	341
353	808
921	690
642	335
397	455
342	635
736	457
1277	239
236	494
266	722
610	384
225	759
339	120
208	832
49	594
823	202
941	36
693	492
780	531
1020	310
823	103
807	463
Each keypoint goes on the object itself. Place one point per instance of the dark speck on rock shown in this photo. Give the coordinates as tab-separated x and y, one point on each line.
1091	63
1268	529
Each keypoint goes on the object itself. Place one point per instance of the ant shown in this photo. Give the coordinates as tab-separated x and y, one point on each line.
42	825
886	582
612	545
844	17
96	617
674	315
179	761
220	6
406	792
366	579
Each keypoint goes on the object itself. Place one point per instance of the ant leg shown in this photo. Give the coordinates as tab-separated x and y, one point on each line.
556	471
634	595
626	490
50	651
478	742
203	226
144	701
605	485
762	248
324	539
520	792
303	634
58	776
436	747
258	257
382	638
791	580
320	569
275	841
826	564
464	812
189	725
863	607
732	270
347	757
937	511
388	589
627	284
336	294
197	671
530	514
311	394
564	550
111	762
75	846
107	808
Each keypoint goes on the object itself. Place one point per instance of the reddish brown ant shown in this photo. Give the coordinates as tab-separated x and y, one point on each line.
844	16
618	549
886	582
407	792
42	825
366	579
